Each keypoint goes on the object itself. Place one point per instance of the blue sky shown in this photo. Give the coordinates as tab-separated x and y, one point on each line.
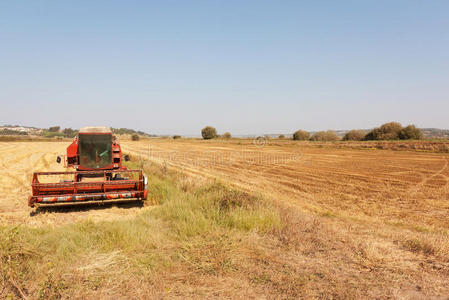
246	67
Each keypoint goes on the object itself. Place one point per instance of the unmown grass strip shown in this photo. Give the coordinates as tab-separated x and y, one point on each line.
191	225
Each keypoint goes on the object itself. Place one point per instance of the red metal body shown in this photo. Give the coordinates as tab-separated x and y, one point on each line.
109	182
73	159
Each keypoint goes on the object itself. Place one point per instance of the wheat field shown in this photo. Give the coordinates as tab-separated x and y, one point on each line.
371	185
381	216
18	161
354	223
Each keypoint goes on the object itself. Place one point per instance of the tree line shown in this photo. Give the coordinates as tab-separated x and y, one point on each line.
387	131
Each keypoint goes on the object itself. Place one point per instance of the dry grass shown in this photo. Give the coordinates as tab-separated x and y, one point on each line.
242	221
192	232
376	219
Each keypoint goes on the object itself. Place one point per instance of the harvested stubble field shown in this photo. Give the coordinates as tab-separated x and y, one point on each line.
382	216
316	220
402	188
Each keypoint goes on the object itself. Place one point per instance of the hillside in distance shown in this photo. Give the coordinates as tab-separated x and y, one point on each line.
436	133
429	133
59	131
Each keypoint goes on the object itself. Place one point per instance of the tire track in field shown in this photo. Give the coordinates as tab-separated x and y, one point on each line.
425	179
357	183
231	173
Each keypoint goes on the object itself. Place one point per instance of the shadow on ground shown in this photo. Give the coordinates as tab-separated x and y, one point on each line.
86	207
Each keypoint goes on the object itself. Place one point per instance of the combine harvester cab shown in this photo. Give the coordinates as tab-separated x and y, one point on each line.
99	175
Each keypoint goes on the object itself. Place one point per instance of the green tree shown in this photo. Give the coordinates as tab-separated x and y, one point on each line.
54	129
69	132
325	136
301	135
227	135
354	135
411	133
208	133
388	131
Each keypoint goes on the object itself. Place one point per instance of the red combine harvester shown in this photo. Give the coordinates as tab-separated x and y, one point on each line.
99	175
